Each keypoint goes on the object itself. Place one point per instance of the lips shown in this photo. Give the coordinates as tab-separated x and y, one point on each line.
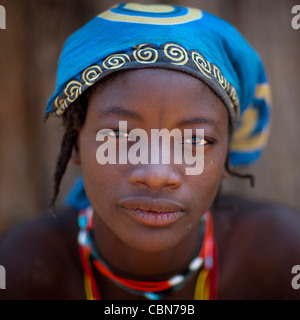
152	212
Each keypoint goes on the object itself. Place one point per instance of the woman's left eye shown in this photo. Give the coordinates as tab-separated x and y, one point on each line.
122	134
118	134
195	141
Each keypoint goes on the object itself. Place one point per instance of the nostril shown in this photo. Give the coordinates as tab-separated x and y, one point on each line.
156	177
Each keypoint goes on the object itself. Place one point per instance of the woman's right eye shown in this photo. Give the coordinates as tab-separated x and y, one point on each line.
118	134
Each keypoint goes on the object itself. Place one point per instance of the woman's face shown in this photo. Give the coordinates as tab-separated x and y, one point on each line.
153	207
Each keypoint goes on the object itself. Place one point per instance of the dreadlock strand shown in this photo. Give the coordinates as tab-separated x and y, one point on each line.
239	175
68	141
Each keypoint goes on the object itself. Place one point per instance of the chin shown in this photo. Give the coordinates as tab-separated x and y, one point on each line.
153	241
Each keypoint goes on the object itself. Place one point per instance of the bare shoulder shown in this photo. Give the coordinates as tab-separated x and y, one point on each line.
259	243
38	256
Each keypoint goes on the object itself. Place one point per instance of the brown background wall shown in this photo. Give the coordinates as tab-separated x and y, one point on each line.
29	51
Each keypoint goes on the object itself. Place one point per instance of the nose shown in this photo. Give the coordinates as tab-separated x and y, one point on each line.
155	176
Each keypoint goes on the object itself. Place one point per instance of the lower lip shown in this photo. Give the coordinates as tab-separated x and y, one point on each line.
154	219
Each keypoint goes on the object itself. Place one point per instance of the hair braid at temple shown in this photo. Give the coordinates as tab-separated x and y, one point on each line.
68	141
73	119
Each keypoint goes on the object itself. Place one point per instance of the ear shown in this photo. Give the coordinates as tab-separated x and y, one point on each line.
75	156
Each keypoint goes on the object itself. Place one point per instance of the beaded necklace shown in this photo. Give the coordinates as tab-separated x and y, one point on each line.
205	263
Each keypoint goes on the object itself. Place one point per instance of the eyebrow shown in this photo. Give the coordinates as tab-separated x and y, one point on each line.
119	111
122	112
198	120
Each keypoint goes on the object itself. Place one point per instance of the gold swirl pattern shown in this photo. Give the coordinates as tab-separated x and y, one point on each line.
145	54
219	76
73	90
116	61
58	102
91	74
234	99
176	53
202	64
62	108
233	95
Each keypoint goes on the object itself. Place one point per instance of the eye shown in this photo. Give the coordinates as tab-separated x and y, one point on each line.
195	141
121	134
117	133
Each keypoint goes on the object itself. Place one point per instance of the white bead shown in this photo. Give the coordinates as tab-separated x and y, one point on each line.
176	279
196	264
82	237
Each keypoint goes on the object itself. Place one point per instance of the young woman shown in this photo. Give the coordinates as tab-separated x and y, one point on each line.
149	230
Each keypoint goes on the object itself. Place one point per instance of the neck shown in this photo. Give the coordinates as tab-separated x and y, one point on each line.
132	263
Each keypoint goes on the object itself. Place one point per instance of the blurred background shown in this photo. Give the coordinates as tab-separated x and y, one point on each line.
29	52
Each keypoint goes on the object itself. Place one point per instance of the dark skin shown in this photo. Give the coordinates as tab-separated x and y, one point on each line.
258	243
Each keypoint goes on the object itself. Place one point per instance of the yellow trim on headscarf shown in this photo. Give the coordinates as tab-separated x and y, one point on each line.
248	122
255	143
242	140
149	8
263	91
191	15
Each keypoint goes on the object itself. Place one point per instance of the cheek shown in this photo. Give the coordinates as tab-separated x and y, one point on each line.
102	183
207	184
88	148
97	178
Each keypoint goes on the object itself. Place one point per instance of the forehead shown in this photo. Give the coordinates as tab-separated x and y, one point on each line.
162	76
160	91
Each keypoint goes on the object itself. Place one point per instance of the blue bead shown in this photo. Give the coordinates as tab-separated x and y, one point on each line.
209	262
151	296
82	221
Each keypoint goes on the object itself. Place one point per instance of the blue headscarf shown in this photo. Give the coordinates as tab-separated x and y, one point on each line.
130	36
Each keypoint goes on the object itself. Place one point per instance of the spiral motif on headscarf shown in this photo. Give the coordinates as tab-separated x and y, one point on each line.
116	61
219	76
235	104
176	53
145	54
58	102
62	108
91	74
72	90
233	95
202	64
